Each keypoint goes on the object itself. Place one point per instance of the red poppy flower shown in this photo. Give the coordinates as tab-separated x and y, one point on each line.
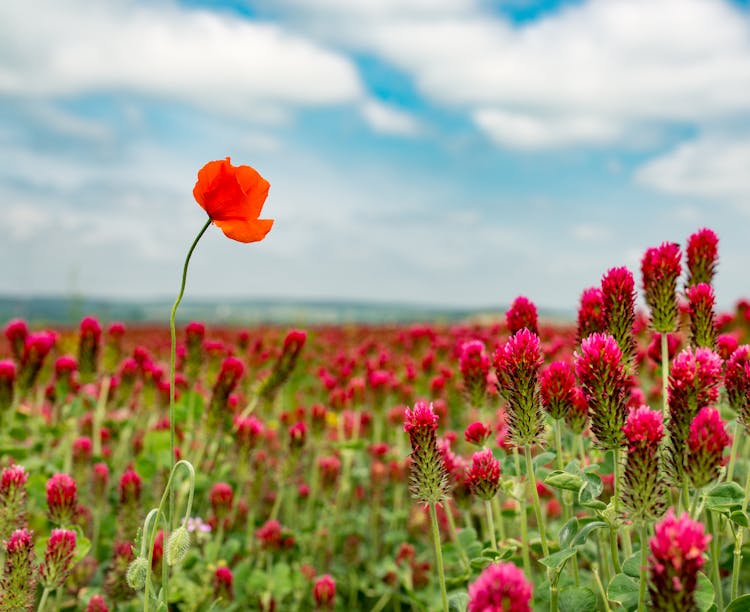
233	197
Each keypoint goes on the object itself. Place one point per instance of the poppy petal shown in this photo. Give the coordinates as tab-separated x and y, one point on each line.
244	230
207	176
255	188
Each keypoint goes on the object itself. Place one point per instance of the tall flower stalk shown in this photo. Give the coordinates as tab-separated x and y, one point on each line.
233	197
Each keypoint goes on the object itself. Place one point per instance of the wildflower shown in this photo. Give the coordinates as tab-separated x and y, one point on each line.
591	317
557	383
324	592
229	377
483	476
297	435
12	500
99	480
475	365
428	481
130	487
18	582
706	443
517	364
83	449
677	549
62	499
195	333
16	331
116	584
618	295
284	366
577	417
88	347
500	587
701	302
97	604
660	268
269	534
36	348
693	384
7	379
233	197
644	489
522	313
600	369
223	584
477	433
248	431
221	498
329	468
737	383
654	347
726	344
58	558
702	256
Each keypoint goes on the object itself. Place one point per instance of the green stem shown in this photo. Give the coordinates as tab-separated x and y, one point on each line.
747	492
43	600
664	377
694	505
714	545
522	515
438	556
535	499
737	562
602	592
643	568
490	523
456	541
733	452
172	361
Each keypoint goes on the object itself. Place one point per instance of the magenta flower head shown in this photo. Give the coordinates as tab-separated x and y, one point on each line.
644	488
88	347
12	500
591	319
600	370
18	582
475	365
62	499
500	587
36	348
195	332
517	364
223	581
737	383
428	480
58	558
577	418
702	256
706	443
284	366
218	413
618	295
693	384
483	476
97	604
701	303
660	268
7	381
557	385
477	433
130	487
247	432
16	331
324	592
676	558
522	314
221	498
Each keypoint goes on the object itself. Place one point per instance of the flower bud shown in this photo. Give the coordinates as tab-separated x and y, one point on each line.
137	573
178	545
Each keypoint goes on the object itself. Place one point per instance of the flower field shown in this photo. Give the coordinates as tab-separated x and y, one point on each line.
502	464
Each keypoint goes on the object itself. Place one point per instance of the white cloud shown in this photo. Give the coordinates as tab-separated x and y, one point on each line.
713	167
389	120
210	60
591	233
594	72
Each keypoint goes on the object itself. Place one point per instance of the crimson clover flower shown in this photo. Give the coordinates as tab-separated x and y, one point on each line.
428	480
701	303
591	317
522	313
660	268
706	443
644	488
618	296
483	476
500	587
702	255
677	549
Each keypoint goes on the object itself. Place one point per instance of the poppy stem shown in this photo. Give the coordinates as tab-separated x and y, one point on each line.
172	360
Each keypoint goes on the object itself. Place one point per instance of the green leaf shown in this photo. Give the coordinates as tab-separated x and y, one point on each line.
740	518
624	590
156	446
83	545
585	531
577	599
594	504
557	560
741	604
704	593
458	602
564	480
632	565
542	459
145	467
591	489
567	531
466	537
480	562
727	495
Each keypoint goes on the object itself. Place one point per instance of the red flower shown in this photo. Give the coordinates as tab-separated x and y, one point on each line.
484	475
522	313
501	586
233	197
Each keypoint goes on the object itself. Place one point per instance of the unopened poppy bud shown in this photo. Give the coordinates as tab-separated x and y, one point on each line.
178	545
137	573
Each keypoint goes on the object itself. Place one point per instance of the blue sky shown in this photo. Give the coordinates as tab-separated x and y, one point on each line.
448	152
